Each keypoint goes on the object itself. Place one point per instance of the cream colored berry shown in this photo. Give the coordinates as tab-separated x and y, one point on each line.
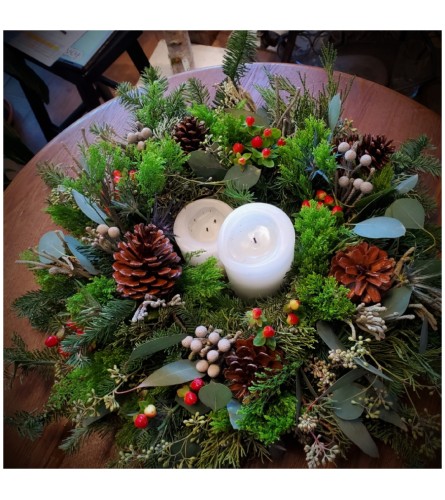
214	337
132	137
343	147
224	345
201	331
343	181
202	366
357	183
213	371
187	341
196	345
145	133
212	356
114	232
365	160
350	155
141	145
102	229
366	187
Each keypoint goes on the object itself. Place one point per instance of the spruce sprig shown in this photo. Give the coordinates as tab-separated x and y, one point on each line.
240	50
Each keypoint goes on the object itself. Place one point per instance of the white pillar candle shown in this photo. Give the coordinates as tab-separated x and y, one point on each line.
256	246
197	226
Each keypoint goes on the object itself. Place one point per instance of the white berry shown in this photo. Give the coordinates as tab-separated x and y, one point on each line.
343	181
366	187
145	133
212	356
113	232
201	331
357	183
132	138
213	371
343	147
224	345
202	366
141	145
350	155
196	345
102	229
214	337
365	160
187	341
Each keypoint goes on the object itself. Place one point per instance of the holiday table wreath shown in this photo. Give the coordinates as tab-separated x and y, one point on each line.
232	278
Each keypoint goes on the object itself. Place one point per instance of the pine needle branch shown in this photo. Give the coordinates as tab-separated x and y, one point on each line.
196	92
240	50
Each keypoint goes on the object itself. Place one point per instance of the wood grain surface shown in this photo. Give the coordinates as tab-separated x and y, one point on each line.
373	108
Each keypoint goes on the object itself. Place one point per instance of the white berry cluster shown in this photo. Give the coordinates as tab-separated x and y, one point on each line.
102	236
209	345
320	453
307	422
140	136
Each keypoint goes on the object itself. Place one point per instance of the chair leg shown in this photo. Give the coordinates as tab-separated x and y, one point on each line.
49	129
137	55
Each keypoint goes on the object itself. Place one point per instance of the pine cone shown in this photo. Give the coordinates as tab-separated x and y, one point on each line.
145	263
365	269
190	133
245	361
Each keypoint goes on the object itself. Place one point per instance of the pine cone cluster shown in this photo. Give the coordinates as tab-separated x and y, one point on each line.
190	133
245	361
145	263
378	147
366	270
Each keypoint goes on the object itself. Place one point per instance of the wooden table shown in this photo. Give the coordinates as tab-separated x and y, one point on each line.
373	108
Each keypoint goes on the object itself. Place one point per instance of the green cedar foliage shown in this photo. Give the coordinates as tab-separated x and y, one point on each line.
203	282
318	235
69	217
323	298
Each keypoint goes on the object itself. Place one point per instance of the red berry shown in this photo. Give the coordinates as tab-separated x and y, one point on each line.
79	331
336	209
257	142
71	325
141	421
132	174
196	384
256	313
51	341
292	319
268	332
242	161
281	142
329	200
267	132
250	120
306	203
190	398
266	152
320	195
63	353
117	173
238	147
319	204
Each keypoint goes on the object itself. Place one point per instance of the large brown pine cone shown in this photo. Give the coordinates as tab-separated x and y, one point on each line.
245	361
145	263
190	133
365	269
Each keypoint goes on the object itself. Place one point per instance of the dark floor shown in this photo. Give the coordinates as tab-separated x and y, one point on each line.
409	62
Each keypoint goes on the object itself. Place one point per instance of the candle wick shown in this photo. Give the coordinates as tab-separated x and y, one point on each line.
207	229
214	221
254	239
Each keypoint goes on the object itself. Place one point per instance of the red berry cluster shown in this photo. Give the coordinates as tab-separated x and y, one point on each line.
142	419
324	199
71	325
117	175
290	308
191	397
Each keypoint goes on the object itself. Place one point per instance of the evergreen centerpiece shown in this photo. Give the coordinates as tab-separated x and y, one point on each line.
165	355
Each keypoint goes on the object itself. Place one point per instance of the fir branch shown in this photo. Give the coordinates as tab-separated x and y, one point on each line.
240	50
196	92
412	157
29	425
52	175
236	195
102	427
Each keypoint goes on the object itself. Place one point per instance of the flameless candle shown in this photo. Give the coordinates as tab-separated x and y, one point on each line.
256	246
197	226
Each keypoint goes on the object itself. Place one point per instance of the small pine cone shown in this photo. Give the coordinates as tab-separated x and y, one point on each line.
190	133
365	269
378	148
245	361
145	263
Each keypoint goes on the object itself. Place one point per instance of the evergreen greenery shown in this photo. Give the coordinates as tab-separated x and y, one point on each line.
240	50
202	283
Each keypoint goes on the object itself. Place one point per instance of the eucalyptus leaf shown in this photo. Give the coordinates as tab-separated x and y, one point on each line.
198	407
206	165
90	209
74	246
346	379
334	111
155	345
371	368
51	243
174	373
393	418
423	344
185	449
243	178
408	211
380	227
396	301
215	395
408	184
357	432
375	200
345	401
232	407
328	336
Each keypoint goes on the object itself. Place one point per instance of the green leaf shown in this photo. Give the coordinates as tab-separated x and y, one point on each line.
370	368
91	210
259	340
396	301
328	336
408	184
408	211
51	244
357	432
206	165
423	344
243	178
174	373
380	227
74	246
346	379
334	111
232	407
185	449
343	398
215	395
393	418
155	345
199	407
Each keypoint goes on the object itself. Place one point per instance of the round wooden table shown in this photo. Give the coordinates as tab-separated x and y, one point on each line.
373	108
